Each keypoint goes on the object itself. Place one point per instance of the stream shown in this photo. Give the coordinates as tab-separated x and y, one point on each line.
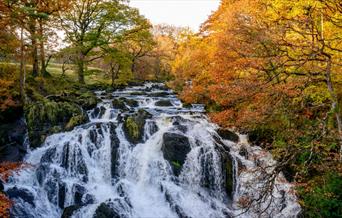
145	155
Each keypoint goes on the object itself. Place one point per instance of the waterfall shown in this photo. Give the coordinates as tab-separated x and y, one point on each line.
179	167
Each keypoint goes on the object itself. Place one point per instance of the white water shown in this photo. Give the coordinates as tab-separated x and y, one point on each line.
143	184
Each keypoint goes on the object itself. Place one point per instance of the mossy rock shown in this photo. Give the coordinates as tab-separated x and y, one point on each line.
119	104
47	117
134	126
76	121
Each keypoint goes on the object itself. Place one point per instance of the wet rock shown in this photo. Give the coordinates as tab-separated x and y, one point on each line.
175	149
72	160
62	189
164	103
228	135
12	137
134	126
130	102
153	127
41	172
76	121
1	185
22	193
47	117
243	152
119	104
115	144
208	171
105	211
159	94
228	173
78	191
69	211
98	112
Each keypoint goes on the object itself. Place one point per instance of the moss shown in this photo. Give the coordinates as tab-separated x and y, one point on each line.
48	117
76	121
132	128
176	164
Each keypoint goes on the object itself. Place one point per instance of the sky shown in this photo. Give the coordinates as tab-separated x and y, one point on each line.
177	12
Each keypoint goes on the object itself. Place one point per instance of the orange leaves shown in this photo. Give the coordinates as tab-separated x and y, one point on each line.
8	168
5	205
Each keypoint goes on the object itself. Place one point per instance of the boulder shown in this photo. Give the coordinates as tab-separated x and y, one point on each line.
228	135
228	173
130	102
164	103
69	211
115	144
22	193
45	117
134	126
175	149
105	211
119	104
12	137
98	112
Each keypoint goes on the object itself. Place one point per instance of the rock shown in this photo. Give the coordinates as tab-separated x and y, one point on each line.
22	193
105	211
119	104
134	126
12	137
78	191
228	135
44	117
228	173
243	152
76	121
164	103
115	143
98	112
208	171
74	163
159	94
130	102
69	211
1	185
175	149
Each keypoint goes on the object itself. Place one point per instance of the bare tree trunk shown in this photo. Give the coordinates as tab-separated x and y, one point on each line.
334	105
22	67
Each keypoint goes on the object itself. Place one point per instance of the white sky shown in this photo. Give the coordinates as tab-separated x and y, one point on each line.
177	12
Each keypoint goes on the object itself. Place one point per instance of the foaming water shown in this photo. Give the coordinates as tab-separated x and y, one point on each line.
95	166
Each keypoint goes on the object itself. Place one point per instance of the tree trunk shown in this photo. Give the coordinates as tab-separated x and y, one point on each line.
80	66
334	104
114	71
43	71
33	32
22	67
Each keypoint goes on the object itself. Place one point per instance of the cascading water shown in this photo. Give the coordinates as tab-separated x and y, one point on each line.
179	167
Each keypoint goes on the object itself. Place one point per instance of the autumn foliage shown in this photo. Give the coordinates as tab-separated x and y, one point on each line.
272	69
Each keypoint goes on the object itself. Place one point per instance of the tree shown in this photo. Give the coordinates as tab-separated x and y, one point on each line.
91	24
